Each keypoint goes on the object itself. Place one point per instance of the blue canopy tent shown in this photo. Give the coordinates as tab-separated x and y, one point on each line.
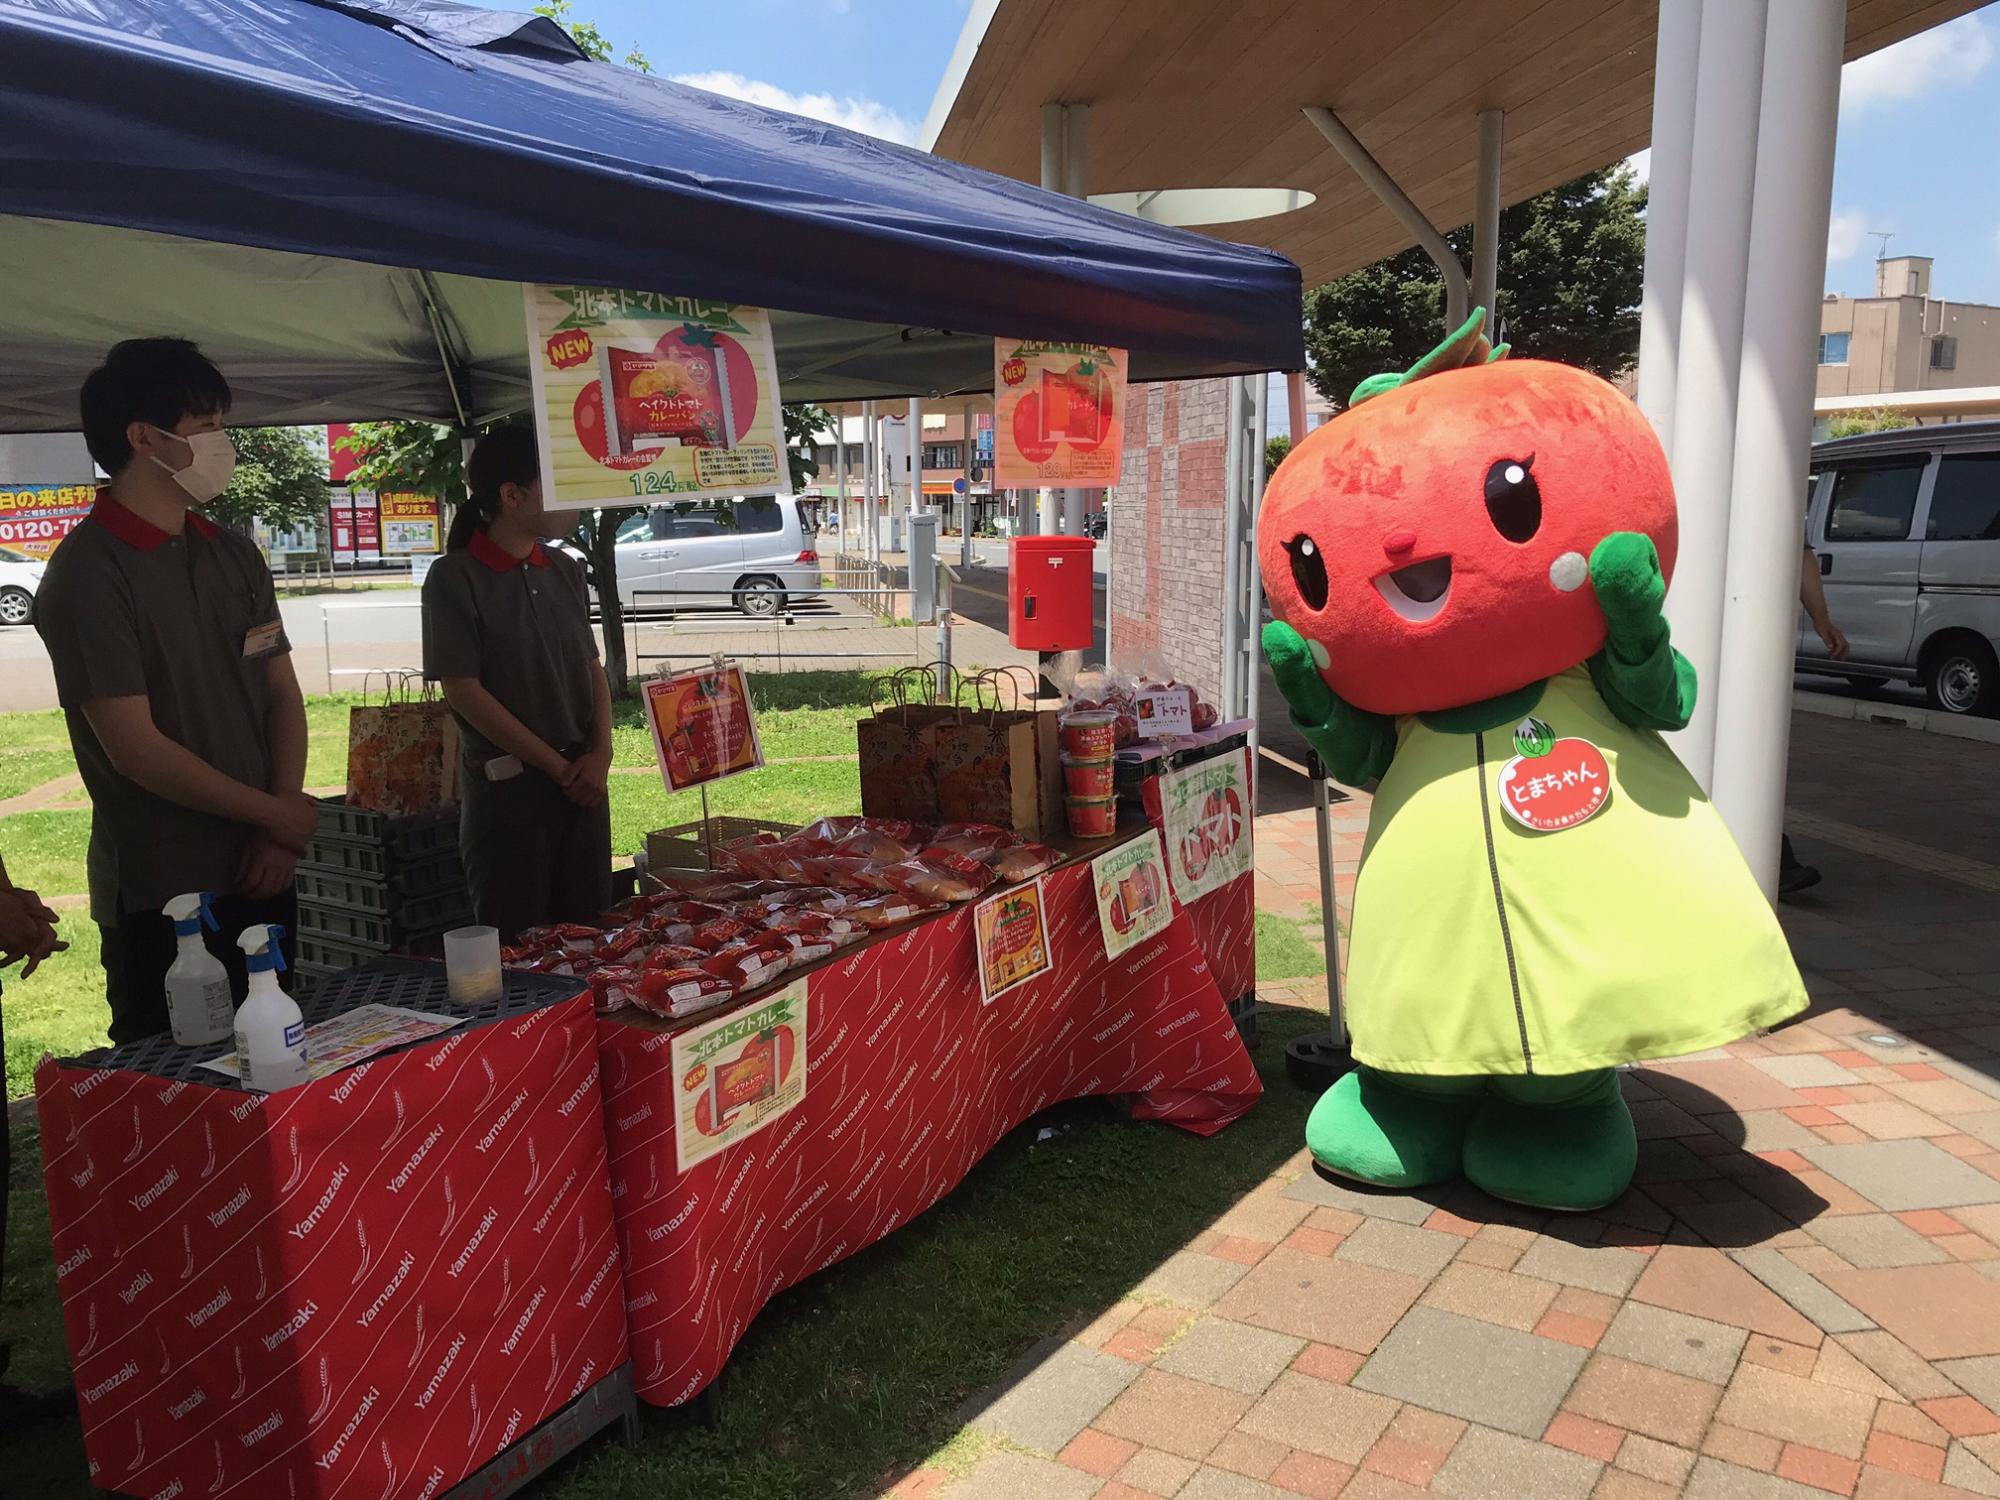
338	199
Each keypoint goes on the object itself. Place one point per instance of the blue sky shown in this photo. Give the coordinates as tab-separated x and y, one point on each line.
1917	120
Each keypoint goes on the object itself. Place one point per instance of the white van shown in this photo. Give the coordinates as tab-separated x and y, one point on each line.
750	551
1906	527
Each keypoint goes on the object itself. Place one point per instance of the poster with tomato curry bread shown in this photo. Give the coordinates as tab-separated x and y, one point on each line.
739	1073
640	394
1058	413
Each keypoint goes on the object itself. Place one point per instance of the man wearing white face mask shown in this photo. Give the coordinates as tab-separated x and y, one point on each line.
176	680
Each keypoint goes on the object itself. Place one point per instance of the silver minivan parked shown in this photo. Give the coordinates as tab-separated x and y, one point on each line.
1906	528
750	551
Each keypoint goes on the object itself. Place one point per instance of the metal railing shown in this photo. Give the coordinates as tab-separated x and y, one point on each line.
795	615
866	577
326	636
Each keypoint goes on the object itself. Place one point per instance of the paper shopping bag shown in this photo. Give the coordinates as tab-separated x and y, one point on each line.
897	751
998	765
402	755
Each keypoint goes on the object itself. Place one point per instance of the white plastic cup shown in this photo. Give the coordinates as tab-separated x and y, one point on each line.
472	964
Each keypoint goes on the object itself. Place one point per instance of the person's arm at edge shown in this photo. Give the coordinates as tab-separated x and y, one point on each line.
268	867
1812	594
590	771
27	927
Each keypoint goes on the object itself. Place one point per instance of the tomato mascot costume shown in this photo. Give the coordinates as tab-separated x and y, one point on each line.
1466	570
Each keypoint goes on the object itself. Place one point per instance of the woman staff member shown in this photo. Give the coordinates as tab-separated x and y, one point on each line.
507	632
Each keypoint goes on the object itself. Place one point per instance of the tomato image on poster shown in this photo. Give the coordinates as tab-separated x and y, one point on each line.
1132	898
641	394
1058	413
1012	934
1206	808
739	1073
704	725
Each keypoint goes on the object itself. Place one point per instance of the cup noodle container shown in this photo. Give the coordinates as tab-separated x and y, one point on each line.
1092	817
1089	735
1088	778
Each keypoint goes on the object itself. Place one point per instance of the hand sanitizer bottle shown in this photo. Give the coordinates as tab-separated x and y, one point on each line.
198	1001
270	1032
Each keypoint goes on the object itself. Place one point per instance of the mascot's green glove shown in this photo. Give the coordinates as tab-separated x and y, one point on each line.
1640	676
1356	746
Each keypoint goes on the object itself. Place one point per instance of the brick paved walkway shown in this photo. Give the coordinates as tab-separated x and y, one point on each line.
1797	1298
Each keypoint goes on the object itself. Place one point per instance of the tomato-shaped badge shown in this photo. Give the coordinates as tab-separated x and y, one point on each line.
1548	793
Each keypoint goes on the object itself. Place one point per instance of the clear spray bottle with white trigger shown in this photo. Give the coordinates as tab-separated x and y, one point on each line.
198	1003
270	1031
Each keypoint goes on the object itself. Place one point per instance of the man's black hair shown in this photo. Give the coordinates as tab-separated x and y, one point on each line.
157	381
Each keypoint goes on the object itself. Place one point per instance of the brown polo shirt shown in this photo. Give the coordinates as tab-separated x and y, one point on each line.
190	622
522	627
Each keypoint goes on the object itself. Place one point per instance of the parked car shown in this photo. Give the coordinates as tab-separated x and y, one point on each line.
1906	527
751	551
18	582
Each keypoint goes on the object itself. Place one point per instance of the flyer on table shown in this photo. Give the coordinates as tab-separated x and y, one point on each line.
1058	413
1011	931
739	1073
704	725
640	394
1132	898
1206	808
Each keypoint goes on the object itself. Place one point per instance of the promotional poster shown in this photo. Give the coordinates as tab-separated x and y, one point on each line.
739	1073
34	517
1012	933
1058	413
1132	898
1206	808
704	726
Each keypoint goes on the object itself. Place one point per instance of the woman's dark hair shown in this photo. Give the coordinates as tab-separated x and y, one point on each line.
156	381
506	455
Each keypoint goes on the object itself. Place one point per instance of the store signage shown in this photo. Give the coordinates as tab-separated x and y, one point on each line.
34	517
409	524
1012	934
638	394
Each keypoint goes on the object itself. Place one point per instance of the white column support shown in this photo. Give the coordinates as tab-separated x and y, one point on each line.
1711	349
1794	195
1676	65
1456	291
840	475
1486	219
916	491
965	453
869	441
1242	585
1295	405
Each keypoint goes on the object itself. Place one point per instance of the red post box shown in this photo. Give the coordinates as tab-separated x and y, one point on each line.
1049	593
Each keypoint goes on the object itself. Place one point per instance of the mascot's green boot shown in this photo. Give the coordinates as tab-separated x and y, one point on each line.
1563	1143
1393	1130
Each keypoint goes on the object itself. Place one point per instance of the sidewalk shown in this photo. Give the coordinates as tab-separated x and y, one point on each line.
1797	1298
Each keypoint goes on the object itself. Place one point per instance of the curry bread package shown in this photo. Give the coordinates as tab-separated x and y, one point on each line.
1466	570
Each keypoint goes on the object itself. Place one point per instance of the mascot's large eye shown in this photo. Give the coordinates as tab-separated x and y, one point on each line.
1513	499
1308	570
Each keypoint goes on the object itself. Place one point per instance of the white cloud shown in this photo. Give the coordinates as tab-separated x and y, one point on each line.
1944	57
1844	234
864	115
1641	163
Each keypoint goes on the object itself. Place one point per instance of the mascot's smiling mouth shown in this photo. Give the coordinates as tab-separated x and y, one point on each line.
1419	591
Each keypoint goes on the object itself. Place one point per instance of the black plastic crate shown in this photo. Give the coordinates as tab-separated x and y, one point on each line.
360	891
320	953
414	917
347	837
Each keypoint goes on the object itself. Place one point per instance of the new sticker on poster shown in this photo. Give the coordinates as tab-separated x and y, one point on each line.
738	1074
1012	934
704	725
1132	898
639	394
1058	413
1206	809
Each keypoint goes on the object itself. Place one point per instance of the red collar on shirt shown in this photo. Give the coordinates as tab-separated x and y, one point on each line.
134	530
499	559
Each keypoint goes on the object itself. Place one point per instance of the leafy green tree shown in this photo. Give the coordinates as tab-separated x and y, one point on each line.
588	36
803	425
280	477
1275	451
1881	419
1572	267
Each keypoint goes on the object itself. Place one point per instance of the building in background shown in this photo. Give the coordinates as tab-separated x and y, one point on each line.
1909	349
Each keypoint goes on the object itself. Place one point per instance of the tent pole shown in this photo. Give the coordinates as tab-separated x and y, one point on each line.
1486	219
1295	404
1383	186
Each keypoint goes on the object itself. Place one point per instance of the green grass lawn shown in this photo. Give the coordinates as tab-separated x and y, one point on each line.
845	1381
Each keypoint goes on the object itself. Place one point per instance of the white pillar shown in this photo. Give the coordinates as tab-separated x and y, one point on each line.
868	446
965	455
1794	195
1711	348
840	477
1486	220
1676	63
916	495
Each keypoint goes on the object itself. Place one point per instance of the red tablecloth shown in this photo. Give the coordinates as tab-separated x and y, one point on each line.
909	1081
363	1287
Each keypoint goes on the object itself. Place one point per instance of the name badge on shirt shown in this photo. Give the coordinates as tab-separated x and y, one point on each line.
262	640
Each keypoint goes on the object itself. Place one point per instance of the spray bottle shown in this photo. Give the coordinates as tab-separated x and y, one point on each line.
270	1032
198	1003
